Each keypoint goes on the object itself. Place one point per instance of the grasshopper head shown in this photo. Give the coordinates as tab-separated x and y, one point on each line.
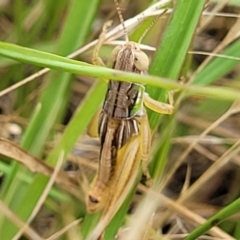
130	58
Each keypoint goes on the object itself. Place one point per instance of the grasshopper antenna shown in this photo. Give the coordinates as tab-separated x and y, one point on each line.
150	26
121	20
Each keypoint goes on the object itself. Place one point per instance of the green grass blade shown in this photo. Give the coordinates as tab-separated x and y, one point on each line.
219	67
56	62
222	215
75	128
168	62
52	100
174	46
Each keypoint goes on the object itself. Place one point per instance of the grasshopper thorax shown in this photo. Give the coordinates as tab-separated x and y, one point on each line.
124	100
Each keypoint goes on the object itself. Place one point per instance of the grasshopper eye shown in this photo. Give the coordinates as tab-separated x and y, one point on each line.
93	199
141	60
94	203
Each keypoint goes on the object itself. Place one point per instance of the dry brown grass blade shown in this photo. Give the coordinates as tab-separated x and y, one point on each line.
219	6
183	211
215	168
141	222
42	198
232	35
36	165
207	176
233	109
65	229
202	124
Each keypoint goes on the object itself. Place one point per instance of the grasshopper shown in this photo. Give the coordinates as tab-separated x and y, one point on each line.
123	127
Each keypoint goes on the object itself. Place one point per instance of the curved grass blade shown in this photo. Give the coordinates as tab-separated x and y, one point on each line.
218	67
222	215
56	62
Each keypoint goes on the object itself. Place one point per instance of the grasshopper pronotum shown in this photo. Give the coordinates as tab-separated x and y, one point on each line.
123	126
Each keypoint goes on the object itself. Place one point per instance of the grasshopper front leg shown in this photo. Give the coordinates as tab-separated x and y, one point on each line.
96	60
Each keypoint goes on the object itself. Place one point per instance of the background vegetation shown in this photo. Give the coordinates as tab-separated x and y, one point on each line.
195	153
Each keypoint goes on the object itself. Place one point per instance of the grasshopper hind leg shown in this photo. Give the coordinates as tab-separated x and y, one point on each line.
145	146
145	137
